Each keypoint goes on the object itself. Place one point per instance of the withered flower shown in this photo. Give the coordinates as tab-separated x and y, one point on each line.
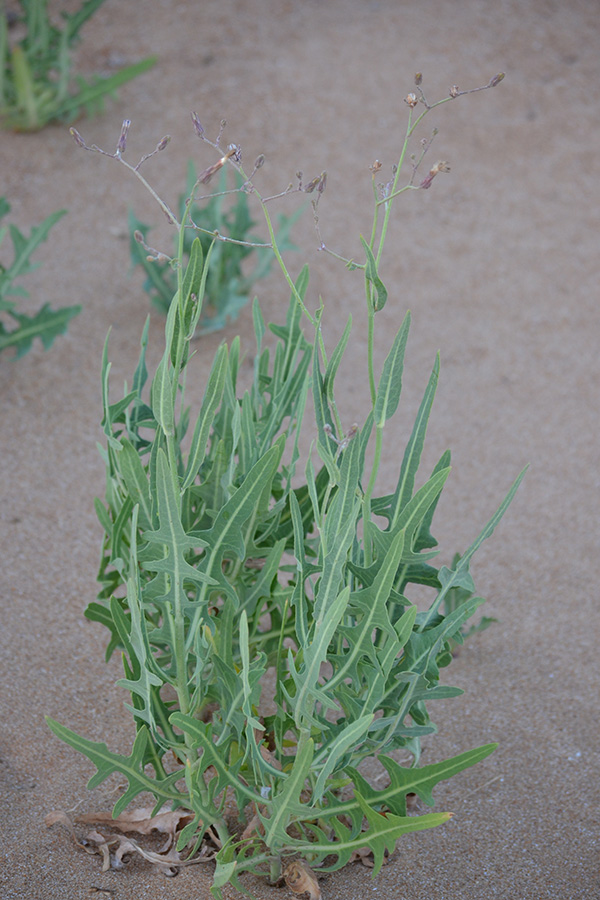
440	166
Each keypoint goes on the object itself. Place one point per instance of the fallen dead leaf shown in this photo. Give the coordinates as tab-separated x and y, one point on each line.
143	822
301	879
113	848
364	855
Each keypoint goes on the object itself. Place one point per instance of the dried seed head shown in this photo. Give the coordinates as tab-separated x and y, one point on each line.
418	78
496	79
454	91
375	167
122	142
411	100
197	125
163	143
77	137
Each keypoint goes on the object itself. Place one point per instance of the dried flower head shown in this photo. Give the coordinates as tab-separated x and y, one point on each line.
411	100
454	91
375	167
440	166
205	176
236	152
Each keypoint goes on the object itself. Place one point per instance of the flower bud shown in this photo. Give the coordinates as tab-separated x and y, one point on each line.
77	137
418	78
309	188
122	143
259	162
496	79
163	143
197	126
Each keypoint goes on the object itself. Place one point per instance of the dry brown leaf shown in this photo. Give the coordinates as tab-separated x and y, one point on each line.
141	820
114	847
301	879
365	856
59	817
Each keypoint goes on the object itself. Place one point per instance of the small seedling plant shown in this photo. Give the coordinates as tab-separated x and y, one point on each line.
36	82
268	642
19	329
236	264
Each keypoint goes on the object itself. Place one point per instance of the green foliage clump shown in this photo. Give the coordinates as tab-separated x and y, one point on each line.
36	86
261	600
228	281
17	329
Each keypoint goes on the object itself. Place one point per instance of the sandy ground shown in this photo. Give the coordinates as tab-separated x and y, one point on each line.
499	265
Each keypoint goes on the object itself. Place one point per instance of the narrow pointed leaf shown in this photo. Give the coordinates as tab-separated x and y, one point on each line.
390	383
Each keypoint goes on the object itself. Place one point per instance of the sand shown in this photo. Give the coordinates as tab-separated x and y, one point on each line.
498	263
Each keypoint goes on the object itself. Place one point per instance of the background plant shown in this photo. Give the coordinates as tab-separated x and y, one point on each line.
36	83
19	329
230	279
269	643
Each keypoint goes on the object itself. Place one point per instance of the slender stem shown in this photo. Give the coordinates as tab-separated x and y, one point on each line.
368	495
282	265
388	207
168	213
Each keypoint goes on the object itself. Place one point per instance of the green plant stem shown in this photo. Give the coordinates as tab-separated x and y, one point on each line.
369	493
282	265
172	218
